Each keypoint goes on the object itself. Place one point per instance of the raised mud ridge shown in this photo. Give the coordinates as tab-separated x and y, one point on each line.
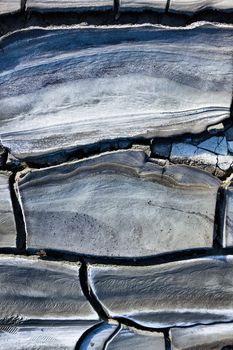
116	168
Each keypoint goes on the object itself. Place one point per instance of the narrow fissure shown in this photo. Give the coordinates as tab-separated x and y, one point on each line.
130	323
157	259
87	291
23	5
116	8
85	335
219	218
168	5
19	221
112	336
167	340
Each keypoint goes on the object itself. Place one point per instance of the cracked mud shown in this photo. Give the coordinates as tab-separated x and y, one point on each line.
116	172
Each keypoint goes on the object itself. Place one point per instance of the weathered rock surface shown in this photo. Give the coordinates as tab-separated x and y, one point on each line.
55	96
115	205
7	219
189	154
141	5
179	293
48	337
225	162
132	339
69	5
209	155
214	129
192	6
215	144
34	289
214	337
161	149
11	6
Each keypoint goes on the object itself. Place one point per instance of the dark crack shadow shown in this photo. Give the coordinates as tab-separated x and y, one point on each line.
167	339
25	19
18	215
111	337
86	334
219	218
158	259
87	291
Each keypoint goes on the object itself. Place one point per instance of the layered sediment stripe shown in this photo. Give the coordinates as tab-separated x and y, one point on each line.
218	336
11	6
33	289
193	6
182	293
69	5
142	5
115	205
40	336
110	83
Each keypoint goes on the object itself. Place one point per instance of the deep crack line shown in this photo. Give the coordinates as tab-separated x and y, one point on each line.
167	340
219	218
89	294
18	216
168	5
84	336
157	259
116	8
112	336
23	5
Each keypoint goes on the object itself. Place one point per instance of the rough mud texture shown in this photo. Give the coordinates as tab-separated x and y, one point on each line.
82	94
111	205
218	336
180	293
116	175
